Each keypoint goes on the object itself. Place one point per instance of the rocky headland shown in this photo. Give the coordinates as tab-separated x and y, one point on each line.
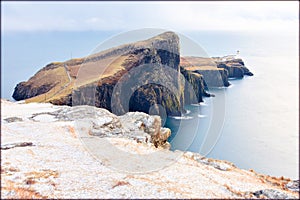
47	151
84	129
161	77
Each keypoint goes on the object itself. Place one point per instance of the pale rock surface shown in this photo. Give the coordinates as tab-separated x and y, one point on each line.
62	163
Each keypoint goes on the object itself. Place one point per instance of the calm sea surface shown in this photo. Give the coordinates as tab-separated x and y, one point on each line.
260	126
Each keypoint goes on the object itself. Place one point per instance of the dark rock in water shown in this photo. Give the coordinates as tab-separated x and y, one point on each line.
249	74
272	194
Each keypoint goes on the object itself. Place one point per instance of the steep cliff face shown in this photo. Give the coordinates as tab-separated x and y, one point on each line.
42	82
93	79
25	91
235	67
194	89
216	70
132	77
214	78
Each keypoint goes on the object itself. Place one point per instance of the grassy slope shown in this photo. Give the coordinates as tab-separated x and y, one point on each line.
85	70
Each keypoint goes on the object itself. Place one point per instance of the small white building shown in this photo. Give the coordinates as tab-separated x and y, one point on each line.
231	57
237	56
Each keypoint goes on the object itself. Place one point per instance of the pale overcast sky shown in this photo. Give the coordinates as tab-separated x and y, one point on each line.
179	16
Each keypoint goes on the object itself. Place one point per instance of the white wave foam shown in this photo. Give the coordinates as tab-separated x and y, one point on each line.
182	117
199	104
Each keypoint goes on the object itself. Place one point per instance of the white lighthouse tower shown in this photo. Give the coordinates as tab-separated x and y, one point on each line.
237	56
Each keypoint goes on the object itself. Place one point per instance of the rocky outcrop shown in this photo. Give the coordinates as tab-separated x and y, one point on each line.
149	61
293	185
216	70
137	126
272	194
214	78
235	67
24	90
42	82
140	76
194	88
44	156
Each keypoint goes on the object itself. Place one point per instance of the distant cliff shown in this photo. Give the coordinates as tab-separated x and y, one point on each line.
235	67
140	76
215	71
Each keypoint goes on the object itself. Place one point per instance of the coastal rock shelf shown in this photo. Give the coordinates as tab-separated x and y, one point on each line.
43	156
216	70
168	79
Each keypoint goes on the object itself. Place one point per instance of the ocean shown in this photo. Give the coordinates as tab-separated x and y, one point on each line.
259	127
253	123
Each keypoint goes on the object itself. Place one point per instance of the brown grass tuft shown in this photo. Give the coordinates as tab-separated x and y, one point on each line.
72	131
22	193
236	192
43	174
120	183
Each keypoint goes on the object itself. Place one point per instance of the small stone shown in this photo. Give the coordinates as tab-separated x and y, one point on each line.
293	185
13	119
13	145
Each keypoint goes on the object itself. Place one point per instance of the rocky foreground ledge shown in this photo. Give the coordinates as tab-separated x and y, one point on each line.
43	156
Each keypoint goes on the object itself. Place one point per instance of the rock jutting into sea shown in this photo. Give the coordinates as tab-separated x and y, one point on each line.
43	156
147	73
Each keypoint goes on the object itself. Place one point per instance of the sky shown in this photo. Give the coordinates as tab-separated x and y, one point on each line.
34	34
180	16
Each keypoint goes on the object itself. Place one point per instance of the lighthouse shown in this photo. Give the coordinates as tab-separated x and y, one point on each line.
237	54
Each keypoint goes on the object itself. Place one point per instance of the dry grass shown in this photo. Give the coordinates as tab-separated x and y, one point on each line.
275	181
87	73
72	131
105	64
206	67
120	183
47	77
233	191
20	192
188	61
42	174
93	71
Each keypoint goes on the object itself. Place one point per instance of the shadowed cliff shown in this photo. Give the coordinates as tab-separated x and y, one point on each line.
92	80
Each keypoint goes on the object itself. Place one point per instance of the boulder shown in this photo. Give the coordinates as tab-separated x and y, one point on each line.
151	125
